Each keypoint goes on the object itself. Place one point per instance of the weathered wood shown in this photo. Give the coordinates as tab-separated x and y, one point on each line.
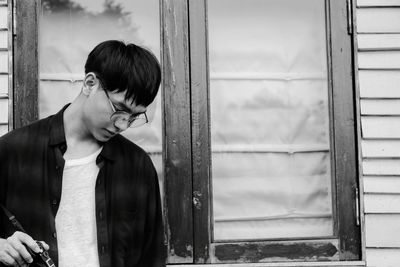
3	84
3	17
3	111
379	84
381	166
200	131
275	251
382	184
382	229
382	203
284	264
344	132
380	148
383	257
380	106
177	145
26	66
378	42
3	39
378	20
367	3
381	127
379	59
3	61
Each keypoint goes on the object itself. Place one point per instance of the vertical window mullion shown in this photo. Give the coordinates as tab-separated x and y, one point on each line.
177	131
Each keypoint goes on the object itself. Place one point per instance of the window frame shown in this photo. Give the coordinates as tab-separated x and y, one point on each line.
345	245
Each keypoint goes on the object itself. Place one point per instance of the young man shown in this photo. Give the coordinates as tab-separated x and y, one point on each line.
73	181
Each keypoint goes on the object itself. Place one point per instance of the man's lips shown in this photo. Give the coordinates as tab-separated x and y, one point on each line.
109	132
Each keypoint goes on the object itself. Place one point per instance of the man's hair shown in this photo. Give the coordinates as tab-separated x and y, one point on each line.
127	67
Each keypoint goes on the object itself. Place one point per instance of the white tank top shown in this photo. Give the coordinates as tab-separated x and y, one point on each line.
76	215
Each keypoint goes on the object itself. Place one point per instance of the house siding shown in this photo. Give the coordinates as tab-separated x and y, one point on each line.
378	40
5	59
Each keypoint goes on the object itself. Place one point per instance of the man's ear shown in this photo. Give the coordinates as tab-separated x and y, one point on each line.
89	83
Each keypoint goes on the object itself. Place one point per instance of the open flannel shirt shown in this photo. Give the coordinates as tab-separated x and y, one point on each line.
128	209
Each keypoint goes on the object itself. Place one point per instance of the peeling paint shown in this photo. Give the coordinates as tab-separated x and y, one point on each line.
259	252
184	254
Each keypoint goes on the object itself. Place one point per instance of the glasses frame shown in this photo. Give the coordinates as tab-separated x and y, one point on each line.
132	118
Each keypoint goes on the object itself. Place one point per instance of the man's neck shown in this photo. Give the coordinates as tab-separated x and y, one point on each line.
80	142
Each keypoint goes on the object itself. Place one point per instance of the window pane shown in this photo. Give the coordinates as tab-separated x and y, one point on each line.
69	30
269	101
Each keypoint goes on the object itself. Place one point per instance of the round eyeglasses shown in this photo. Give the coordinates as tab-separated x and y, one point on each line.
123	119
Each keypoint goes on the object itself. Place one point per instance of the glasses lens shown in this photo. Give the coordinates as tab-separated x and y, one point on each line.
124	120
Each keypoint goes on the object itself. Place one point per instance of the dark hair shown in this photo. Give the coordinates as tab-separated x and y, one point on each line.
127	67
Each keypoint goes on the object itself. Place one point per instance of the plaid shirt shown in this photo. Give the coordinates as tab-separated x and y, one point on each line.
128	210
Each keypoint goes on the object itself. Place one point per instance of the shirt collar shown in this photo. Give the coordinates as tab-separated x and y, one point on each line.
57	136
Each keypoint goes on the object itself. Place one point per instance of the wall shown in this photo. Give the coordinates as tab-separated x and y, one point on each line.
378	38
4	67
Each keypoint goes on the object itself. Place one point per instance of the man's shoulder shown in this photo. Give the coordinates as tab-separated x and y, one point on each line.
26	134
128	150
126	144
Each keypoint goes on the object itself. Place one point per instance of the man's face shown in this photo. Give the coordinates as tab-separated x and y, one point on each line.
99	109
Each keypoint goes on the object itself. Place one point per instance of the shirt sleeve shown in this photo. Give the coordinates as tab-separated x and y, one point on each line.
154	254
3	180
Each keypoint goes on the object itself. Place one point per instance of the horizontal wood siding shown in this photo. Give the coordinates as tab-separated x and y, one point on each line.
382	184
383	257
379	83
375	3
378	40
382	230
4	68
378	20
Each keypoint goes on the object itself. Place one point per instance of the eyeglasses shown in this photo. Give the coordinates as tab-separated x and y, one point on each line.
123	119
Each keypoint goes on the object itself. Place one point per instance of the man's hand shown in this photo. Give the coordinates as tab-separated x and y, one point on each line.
13	251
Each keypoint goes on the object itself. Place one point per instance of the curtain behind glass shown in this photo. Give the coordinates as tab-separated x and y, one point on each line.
271	171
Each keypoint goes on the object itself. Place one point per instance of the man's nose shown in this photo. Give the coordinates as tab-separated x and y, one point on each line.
121	126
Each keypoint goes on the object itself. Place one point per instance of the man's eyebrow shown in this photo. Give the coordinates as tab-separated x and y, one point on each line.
127	109
124	107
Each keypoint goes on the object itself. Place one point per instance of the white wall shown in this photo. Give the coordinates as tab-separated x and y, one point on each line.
378	37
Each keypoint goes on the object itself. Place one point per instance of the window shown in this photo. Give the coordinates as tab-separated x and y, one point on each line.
258	137
259	94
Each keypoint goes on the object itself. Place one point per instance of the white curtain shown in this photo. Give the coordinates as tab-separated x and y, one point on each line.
271	162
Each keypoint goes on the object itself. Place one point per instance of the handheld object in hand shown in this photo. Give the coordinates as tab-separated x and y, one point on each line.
42	258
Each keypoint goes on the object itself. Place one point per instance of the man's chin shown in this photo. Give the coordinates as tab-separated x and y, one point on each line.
100	137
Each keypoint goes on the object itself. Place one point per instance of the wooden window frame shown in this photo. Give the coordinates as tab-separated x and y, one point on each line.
186	148
188	197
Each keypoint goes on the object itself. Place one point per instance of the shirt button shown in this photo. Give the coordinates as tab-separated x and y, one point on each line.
99	181
101	215
103	249
54	234
57	167
55	202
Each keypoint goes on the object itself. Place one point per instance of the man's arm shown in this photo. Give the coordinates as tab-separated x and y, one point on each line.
3	180
154	254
